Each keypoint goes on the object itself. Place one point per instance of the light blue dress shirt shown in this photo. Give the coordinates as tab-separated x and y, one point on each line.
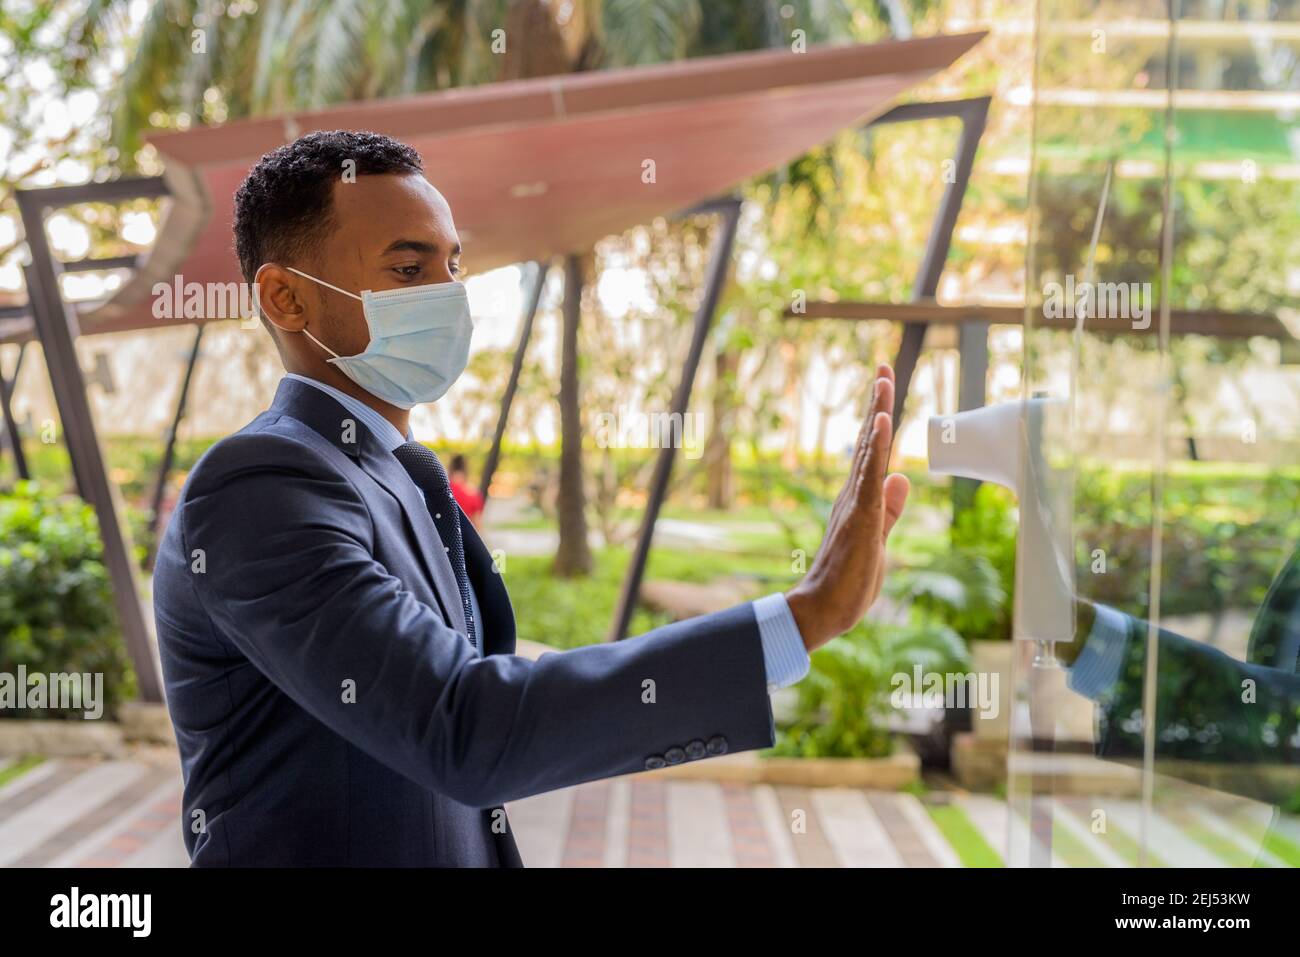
784	655
1097	667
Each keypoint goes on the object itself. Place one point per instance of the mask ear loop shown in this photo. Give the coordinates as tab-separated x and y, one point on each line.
336	289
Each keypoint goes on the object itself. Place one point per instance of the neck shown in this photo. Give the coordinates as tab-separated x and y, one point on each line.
400	418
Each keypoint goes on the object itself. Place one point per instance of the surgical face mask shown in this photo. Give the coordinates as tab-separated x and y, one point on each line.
419	341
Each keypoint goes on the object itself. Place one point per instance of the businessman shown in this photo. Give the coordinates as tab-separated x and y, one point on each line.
336	643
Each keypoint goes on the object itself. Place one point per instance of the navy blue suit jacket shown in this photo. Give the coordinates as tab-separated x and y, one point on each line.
330	709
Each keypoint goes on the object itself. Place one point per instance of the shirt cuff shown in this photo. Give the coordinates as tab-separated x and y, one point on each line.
784	654
1098	666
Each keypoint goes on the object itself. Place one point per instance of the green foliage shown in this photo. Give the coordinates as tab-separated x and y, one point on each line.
1228	529
951	587
570	612
133	462
985	535
280	56
56	606
843	704
20	767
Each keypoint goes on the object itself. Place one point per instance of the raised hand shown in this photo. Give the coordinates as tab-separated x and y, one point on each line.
845	577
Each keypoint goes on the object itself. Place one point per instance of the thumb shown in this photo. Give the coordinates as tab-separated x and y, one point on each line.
895	494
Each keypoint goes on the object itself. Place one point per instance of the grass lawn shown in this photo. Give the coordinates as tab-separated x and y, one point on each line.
19	767
965	838
569	613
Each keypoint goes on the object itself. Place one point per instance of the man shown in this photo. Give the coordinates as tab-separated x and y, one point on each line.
467	497
336	644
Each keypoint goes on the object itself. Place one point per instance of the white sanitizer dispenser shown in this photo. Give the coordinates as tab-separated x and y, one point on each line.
1021	446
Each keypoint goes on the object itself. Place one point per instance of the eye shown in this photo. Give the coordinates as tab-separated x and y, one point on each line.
408	272
455	269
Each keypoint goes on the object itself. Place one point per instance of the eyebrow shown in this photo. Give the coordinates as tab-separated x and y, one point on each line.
416	246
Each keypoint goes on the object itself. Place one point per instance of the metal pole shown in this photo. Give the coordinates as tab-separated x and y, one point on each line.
973	113
56	326
15	440
525	334
971	379
719	264
169	449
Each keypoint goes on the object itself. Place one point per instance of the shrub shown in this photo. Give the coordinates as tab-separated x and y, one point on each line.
985	535
56	604
569	612
843	705
1228	530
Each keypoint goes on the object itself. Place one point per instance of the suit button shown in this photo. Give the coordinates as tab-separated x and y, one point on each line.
695	750
654	763
674	755
717	745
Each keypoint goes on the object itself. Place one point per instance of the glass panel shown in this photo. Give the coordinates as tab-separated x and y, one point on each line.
1159	470
1225	739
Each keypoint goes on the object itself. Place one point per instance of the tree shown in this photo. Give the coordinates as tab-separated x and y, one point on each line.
40	73
573	555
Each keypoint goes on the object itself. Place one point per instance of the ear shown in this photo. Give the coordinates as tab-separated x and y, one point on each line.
280	296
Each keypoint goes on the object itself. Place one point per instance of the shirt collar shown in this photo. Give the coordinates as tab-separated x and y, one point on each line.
383	430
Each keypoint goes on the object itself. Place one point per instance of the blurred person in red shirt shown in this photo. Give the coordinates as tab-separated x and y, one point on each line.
467	497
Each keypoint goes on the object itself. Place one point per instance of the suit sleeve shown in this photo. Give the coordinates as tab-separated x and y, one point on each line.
291	580
1210	708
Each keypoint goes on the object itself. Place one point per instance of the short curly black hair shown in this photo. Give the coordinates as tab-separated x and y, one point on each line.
286	203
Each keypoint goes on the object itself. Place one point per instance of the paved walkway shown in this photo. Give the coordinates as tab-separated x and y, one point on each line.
126	813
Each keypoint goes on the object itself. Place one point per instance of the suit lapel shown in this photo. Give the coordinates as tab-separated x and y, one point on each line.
388	472
333	422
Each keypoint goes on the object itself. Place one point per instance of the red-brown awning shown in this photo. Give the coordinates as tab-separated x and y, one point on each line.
535	168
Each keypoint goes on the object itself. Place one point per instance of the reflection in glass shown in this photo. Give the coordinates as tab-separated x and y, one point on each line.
1163	290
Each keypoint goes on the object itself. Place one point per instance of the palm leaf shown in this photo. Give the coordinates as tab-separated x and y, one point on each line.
956	582
337	45
637	32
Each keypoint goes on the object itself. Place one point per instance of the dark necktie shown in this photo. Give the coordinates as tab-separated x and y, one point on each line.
427	473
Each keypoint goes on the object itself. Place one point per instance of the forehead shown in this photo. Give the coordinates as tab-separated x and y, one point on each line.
374	211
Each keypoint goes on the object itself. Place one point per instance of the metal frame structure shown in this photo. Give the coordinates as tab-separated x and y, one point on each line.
169	449
719	265
20	316
973	114
1183	322
512	385
13	439
56	325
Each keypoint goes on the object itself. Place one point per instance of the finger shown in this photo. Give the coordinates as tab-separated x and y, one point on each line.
895	495
882	400
870	490
883	374
876	462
